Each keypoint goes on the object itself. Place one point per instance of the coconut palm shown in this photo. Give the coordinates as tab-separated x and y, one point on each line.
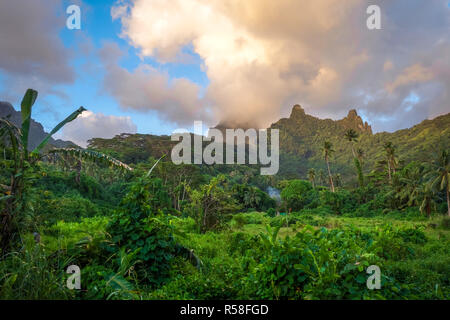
352	136
440	171
427	203
312	176
391	160
327	152
360	154
321	174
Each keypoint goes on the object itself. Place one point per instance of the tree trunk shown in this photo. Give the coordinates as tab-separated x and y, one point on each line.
329	175
389	170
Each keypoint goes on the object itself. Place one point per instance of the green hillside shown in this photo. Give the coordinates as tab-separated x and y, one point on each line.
301	140
302	137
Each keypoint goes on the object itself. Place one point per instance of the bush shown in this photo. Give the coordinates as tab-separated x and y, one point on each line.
296	194
316	264
141	224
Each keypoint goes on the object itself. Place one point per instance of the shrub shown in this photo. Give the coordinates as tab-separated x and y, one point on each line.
296	194
316	264
141	224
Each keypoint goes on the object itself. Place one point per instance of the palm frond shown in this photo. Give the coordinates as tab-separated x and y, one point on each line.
93	156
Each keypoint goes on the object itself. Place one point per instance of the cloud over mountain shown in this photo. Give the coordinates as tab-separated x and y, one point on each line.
263	56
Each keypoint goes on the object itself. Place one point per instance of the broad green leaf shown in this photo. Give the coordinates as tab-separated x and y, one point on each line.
70	118
25	108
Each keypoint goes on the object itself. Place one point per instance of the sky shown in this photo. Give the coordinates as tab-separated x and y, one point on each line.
153	66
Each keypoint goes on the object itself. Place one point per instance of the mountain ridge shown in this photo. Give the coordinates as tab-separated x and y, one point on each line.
37	132
301	140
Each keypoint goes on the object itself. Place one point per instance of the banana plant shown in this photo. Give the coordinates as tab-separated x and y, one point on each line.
21	158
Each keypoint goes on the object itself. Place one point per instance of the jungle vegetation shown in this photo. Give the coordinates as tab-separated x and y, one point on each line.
140	227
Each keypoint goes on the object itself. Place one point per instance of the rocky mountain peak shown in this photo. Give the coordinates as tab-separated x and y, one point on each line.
354	121
297	111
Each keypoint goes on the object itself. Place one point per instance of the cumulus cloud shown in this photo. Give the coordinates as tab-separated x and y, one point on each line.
147	88
96	125
32	54
262	56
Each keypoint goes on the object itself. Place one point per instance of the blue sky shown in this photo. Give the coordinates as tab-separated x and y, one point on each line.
98	27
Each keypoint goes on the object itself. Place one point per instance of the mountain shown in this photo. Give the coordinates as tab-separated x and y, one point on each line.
301	140
37	133
302	137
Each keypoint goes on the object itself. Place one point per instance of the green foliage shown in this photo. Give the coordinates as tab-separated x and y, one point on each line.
252	198
197	232
211	204
296	194
141	224
33	273
316	264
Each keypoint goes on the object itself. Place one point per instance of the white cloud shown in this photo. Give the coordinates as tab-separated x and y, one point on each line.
96	125
32	55
147	88
262	56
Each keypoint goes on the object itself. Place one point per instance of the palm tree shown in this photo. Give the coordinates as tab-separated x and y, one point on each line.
428	203
312	176
327	152
352	136
360	154
441	171
390	158
321	177
338	180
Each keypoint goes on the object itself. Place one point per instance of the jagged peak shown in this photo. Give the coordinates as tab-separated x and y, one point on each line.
354	121
352	114
297	110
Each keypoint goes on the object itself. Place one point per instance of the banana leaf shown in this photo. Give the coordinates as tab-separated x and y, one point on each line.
25	108
70	118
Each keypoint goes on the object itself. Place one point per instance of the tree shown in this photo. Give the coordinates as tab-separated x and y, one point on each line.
338	180
18	141
210	204
427	203
327	152
296	195
23	162
360	154
390	158
352	136
312	176
321	177
440	171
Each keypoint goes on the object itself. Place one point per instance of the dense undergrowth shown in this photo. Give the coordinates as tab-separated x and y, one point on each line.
131	243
